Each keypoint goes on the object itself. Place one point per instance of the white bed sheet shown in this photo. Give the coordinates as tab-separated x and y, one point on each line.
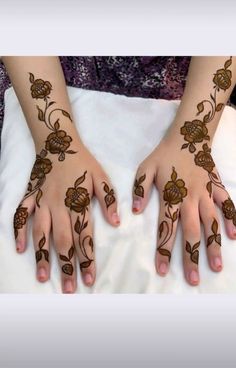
120	131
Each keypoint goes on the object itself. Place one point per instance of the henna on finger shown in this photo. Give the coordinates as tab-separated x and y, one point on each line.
20	218
138	188
42	252
174	193
58	141
78	200
215	237
41	168
196	131
109	197
229	210
193	251
68	268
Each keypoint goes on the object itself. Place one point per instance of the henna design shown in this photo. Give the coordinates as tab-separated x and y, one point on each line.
41	168
77	199
204	159
229	210
109	197
39	254
20	218
196	131
68	267
58	141
215	237
174	193
193	251
138	188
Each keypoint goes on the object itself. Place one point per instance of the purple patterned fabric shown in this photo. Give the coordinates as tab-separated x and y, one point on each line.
136	76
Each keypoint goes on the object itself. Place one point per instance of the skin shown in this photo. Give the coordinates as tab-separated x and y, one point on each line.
198	206
50	211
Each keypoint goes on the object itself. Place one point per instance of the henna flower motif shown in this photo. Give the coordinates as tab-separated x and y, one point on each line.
194	131
42	166
222	77
204	159
229	211
20	218
77	198
39	87
174	190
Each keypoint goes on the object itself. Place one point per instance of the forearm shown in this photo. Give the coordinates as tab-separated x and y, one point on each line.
208	87
44	102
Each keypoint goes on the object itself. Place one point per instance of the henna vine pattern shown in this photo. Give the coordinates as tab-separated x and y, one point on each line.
138	188
42	252
58	141
193	251
77	199
68	267
109	197
204	159
174	193
196	131
41	168
20	218
215	236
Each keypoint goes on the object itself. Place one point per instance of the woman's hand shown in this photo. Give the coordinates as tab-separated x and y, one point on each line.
60	196
188	189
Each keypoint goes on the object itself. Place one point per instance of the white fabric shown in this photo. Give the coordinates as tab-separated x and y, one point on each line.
120	131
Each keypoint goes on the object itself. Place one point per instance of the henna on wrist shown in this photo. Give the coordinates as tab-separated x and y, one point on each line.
58	141
196	131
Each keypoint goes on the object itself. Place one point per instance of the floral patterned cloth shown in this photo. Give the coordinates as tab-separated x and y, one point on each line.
136	76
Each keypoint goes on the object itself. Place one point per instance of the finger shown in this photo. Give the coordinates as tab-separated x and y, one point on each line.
41	232
63	240
225	203
21	216
106	196
141	188
210	222
191	240
168	220
83	240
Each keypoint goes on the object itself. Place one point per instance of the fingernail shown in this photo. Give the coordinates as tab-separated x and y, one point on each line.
68	286
163	268
19	247
194	276
88	279
136	205
217	262
42	274
115	218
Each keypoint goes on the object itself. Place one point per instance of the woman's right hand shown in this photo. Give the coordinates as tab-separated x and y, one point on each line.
60	195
